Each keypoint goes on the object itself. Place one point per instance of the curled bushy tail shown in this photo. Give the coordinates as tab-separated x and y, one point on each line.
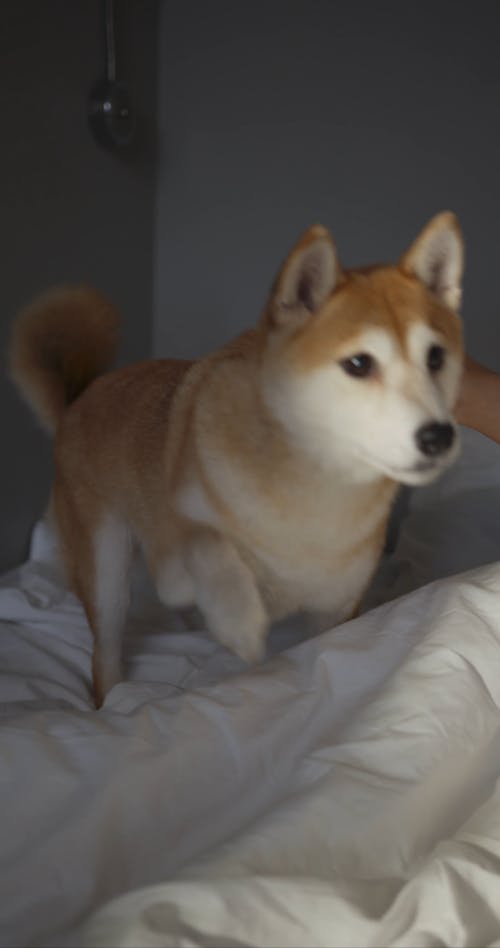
60	343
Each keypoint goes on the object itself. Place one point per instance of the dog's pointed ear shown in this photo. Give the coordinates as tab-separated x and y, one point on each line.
307	278
437	258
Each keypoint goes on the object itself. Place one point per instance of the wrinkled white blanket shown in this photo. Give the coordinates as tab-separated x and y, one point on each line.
381	831
344	793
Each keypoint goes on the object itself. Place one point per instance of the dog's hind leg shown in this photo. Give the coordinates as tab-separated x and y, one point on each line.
111	596
98	551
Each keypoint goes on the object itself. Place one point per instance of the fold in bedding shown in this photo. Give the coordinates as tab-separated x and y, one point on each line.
387	832
342	793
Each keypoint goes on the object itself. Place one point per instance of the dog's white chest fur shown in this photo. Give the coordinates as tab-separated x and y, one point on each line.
305	548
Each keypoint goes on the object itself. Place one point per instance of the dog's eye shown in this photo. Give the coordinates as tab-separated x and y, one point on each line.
360	366
435	358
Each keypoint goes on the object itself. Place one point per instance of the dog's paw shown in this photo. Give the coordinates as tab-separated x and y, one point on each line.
239	622
246	640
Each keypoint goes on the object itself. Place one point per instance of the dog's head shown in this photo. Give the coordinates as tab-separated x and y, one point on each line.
363	367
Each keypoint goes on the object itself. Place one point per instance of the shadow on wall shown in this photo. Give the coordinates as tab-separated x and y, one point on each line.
71	211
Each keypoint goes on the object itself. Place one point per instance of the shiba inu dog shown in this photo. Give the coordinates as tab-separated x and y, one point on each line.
258	480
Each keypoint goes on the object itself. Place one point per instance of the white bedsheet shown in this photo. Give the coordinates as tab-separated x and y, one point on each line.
345	793
384	831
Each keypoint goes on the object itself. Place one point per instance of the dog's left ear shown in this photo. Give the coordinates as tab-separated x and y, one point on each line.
437	258
307	278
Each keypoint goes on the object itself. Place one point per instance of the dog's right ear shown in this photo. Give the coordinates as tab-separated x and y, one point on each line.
307	278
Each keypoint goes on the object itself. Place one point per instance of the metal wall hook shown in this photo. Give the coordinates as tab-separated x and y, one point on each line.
111	114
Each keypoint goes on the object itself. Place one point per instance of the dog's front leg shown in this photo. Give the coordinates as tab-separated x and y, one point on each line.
227	595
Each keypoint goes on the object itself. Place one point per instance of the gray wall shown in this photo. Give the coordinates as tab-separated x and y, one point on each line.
368	117
69	211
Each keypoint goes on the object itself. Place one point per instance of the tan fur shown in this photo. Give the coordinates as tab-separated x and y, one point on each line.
194	461
394	301
60	343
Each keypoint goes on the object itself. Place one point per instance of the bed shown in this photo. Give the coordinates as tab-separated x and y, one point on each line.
345	792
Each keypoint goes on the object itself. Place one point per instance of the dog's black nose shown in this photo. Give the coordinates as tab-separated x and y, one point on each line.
435	438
